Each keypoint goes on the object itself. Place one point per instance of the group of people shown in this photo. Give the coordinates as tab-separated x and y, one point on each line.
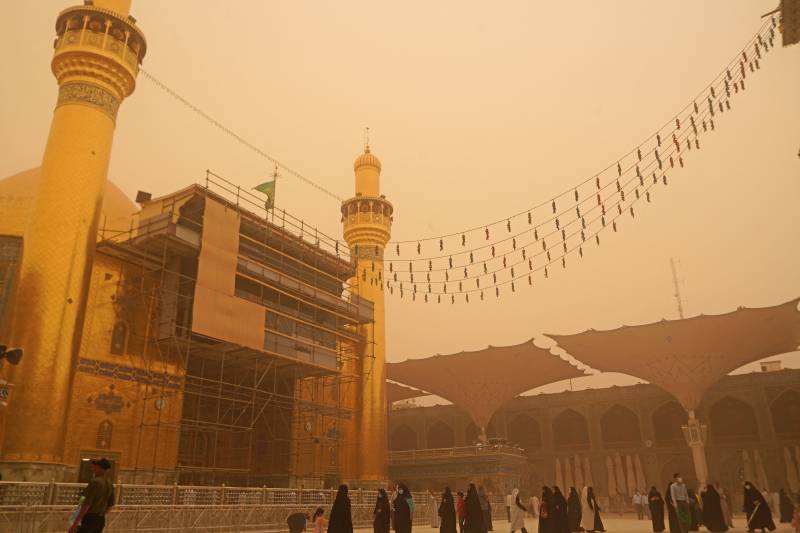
472	513
686	511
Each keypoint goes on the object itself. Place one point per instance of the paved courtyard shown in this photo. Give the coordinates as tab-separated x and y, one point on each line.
613	525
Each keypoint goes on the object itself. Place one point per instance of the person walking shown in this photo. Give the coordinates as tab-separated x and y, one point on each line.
785	507
535	506
341	520
561	513
461	511
433	511
680	500
695	511
447	512
759	515
547	522
674	523
517	513
403	509
574	510
381	514
486	508
97	500
474	521
724	505
509	503
637	504
590	511
713	517
656	504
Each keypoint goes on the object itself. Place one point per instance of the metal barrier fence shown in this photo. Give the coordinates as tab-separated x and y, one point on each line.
20	493
241	518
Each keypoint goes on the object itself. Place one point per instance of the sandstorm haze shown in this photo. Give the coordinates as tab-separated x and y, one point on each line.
476	110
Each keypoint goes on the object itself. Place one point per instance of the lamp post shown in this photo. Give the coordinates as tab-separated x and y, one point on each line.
696	435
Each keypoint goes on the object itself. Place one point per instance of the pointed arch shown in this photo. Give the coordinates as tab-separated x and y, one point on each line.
441	435
525	431
732	419
667	422
785	411
570	429
620	426
403	438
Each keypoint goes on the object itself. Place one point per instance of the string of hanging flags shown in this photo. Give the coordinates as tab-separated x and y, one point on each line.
527	245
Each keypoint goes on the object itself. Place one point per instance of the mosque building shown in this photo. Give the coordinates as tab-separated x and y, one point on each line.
195	337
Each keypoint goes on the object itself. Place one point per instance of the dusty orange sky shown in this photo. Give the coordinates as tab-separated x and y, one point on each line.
476	110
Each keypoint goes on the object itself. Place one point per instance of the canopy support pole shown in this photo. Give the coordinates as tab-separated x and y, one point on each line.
696	435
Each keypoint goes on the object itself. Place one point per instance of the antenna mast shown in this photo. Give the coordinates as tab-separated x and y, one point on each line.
677	295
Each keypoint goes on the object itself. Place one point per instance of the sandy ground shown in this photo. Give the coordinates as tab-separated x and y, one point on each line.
613	525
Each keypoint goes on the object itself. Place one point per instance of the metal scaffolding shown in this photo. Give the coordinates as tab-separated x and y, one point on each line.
275	416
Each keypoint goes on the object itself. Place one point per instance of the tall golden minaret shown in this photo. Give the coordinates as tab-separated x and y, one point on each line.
97	53
367	220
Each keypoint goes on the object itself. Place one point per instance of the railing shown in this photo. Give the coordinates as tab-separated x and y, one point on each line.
446	453
20	493
40	507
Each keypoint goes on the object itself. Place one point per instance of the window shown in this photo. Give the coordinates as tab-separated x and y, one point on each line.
119	338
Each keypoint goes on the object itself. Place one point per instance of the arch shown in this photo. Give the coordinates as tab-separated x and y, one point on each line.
403	438
785	411
620	425
441	435
105	431
525	431
667	422
570	429
731	419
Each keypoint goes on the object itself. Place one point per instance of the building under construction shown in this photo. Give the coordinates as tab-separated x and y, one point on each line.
247	325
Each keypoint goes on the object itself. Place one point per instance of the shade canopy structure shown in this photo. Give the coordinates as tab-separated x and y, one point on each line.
481	381
685	357
396	392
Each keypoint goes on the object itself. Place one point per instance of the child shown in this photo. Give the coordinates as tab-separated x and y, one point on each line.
320	524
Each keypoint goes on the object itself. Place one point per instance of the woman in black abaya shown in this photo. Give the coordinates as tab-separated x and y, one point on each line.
560	514
403	509
672	514
656	503
447	513
713	518
695	514
341	521
759	515
547	520
381	514
473	521
574	510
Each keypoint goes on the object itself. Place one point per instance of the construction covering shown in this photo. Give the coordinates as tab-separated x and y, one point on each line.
685	357
480	382
216	312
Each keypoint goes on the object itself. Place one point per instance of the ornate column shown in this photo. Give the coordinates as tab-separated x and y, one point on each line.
696	435
98	49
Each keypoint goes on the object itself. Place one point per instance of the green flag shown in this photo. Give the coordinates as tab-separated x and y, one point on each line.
267	188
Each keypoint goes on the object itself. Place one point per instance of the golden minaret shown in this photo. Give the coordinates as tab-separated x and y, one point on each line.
367	219
97	53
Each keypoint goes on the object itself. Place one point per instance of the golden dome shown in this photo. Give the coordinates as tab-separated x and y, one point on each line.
367	159
16	202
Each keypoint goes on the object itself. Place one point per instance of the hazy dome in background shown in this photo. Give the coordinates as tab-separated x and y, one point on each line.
17	193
